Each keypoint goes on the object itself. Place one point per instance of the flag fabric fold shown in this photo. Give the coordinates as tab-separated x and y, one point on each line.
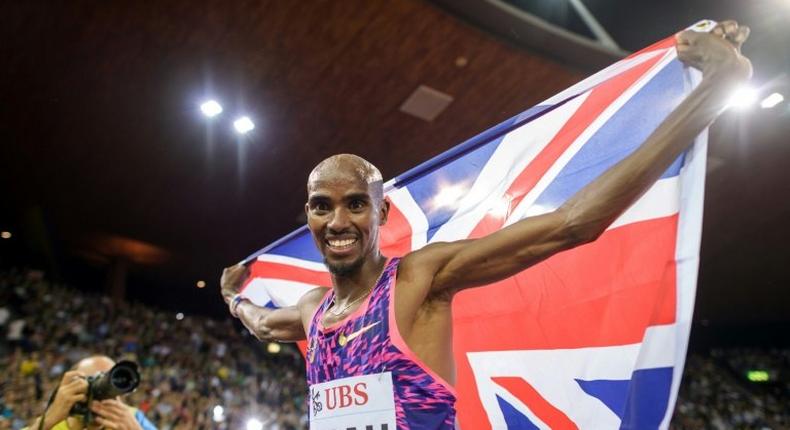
592	338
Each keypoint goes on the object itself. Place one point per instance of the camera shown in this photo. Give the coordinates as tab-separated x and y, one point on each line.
121	379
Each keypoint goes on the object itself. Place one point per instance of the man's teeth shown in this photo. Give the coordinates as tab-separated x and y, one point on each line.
341	243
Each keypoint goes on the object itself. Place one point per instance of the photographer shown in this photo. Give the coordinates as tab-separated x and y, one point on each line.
73	390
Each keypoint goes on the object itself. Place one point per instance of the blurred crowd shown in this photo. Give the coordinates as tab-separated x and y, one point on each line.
200	373
716	394
197	373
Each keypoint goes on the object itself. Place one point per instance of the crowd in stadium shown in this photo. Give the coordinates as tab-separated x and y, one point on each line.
716	396
192	365
188	367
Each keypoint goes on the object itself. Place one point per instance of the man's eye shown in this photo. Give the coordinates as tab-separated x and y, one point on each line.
321	207
357	204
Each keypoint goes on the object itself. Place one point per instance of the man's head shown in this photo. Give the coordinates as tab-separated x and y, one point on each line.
95	364
345	208
90	366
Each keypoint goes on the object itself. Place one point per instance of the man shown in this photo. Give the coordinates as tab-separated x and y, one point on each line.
385	326
109	414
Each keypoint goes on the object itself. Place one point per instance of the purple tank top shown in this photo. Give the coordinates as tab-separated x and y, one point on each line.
350	366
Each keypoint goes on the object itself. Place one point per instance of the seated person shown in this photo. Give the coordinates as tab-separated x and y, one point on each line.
73	388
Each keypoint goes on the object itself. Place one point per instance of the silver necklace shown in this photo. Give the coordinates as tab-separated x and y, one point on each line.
348	305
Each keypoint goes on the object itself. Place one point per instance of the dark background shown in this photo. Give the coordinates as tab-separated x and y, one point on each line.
102	142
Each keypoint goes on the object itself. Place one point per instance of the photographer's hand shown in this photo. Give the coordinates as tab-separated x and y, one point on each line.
114	414
73	388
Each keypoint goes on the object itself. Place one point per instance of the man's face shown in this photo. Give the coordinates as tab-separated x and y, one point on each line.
344	214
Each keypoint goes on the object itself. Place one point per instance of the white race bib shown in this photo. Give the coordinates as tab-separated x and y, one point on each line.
356	403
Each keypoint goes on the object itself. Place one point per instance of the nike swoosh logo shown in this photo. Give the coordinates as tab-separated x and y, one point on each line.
361	331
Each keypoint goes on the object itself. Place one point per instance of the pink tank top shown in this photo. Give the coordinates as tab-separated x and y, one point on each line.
363	376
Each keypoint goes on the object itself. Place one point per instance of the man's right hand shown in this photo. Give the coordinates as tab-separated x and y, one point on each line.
73	389
232	279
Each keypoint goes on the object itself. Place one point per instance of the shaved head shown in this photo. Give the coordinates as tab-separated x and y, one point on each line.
95	364
348	165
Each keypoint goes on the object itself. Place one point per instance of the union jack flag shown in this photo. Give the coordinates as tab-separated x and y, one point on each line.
592	338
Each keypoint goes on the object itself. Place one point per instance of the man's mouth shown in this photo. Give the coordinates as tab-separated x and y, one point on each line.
340	244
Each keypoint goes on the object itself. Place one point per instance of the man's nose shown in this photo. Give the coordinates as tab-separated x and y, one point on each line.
340	220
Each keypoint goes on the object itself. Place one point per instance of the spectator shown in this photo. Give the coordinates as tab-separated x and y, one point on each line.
188	366
73	389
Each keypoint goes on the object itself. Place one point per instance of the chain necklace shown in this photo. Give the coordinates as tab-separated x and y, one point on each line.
348	305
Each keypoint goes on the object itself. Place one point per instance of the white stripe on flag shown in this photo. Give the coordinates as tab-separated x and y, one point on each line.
517	149
553	374
280	292
660	201
520	211
291	261
403	200
607	73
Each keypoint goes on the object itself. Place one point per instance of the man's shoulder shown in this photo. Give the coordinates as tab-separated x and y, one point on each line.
428	259
312	298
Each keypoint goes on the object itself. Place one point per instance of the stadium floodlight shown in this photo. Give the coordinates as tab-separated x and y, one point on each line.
254	424
273	347
219	414
211	108
742	98
243	125
179	316
6	235
201	284
772	100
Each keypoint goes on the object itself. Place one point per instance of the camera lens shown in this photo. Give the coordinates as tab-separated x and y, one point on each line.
124	379
121	379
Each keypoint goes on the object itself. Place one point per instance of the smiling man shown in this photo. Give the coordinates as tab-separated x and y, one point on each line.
380	340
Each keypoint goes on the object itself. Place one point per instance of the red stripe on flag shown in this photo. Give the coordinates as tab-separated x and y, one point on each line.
553	417
601	294
396	234
669	42
267	269
599	99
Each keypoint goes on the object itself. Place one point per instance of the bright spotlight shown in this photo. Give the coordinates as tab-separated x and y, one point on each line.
273	347
6	235
243	125
201	284
772	100
179	316
219	414
742	98
211	108
254	424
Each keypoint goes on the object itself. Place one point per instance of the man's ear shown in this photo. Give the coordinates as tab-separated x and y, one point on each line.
385	211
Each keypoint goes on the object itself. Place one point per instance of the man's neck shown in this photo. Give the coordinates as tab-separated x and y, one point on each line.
349	287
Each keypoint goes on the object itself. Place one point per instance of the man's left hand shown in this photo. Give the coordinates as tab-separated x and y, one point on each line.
114	414
717	53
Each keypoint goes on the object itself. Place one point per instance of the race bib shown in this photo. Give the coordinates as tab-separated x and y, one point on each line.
356	403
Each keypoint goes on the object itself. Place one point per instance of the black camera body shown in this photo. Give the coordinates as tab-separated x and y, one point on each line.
121	379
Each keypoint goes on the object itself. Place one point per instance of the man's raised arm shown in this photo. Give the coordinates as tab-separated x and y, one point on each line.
449	267
284	324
